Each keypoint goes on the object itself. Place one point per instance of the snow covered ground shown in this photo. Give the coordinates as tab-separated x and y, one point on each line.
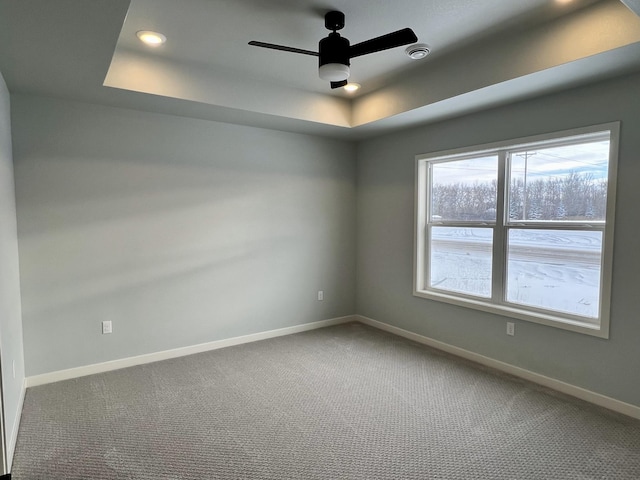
557	270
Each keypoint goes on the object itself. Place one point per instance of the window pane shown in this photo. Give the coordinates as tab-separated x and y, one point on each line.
464	190
460	260
566	183
555	269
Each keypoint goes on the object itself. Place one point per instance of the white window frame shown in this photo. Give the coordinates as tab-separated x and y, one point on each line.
496	304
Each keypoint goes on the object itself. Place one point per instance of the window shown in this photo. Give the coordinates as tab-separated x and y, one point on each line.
521	228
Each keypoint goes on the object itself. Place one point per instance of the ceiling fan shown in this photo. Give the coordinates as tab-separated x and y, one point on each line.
335	52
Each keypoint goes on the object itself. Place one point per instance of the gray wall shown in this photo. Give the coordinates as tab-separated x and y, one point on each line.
385	241
10	308
184	231
180	231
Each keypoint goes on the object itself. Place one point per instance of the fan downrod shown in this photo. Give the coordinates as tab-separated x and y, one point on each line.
334	21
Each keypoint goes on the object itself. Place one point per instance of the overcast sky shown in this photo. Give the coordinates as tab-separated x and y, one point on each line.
591	158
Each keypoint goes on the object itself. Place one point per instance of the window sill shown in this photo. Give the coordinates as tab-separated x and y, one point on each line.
520	314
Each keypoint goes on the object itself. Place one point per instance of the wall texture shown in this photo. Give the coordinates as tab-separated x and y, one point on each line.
180	231
386	235
10	307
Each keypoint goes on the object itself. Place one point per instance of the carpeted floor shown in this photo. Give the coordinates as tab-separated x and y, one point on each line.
346	402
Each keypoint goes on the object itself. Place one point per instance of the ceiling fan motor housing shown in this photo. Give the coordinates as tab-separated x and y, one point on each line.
334	49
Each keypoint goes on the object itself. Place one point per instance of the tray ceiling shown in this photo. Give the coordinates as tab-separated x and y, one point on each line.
484	53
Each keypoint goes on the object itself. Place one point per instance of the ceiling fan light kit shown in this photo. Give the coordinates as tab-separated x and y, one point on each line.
334	72
335	52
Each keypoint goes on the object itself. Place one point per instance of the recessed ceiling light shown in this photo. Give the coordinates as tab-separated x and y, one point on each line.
351	87
153	39
418	51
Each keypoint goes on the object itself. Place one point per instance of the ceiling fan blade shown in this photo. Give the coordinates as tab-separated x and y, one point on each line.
283	48
338	84
390	40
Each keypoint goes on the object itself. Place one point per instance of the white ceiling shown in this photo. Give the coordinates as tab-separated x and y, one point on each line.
484	52
215	33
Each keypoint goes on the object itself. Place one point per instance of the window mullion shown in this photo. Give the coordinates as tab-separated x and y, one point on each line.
499	241
427	245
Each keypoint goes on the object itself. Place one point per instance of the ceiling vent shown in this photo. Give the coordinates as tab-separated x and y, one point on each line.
418	51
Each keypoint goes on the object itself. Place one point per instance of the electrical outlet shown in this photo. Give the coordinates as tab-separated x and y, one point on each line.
320	295
511	328
107	327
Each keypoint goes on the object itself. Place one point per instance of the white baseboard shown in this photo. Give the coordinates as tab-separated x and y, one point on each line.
558	385
70	373
11	446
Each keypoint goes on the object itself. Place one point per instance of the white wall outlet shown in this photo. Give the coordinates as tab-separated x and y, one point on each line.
107	327
511	328
320	295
